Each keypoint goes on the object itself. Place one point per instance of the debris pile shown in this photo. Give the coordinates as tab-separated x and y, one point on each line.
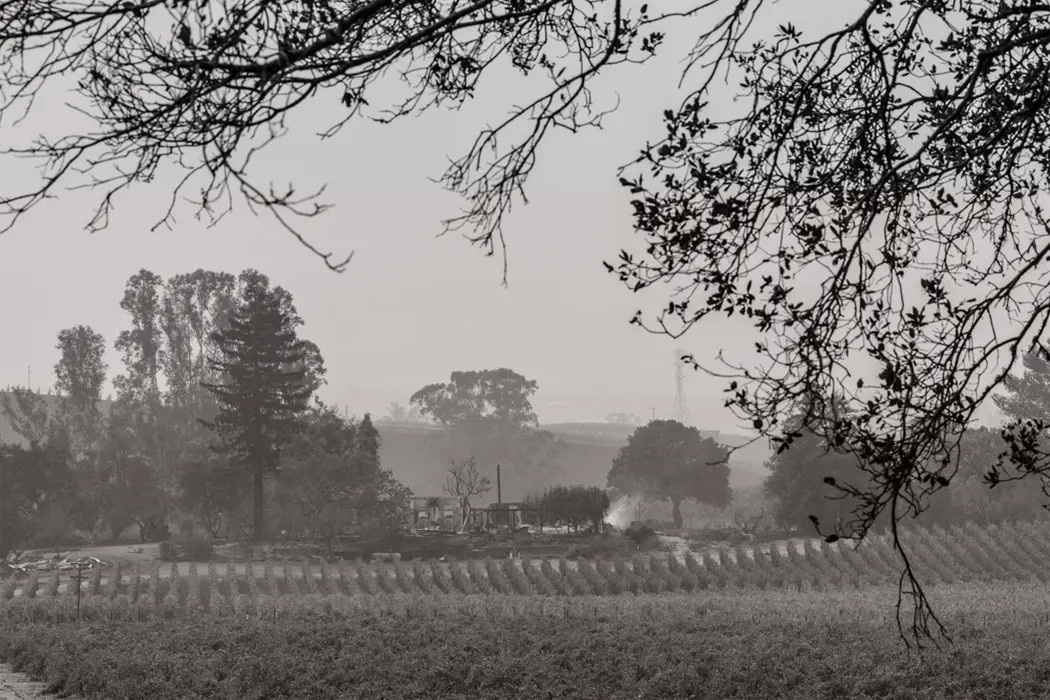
56	564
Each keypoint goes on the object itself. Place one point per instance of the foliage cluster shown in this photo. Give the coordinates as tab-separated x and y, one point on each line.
665	460
575	506
486	418
37	490
212	417
811	482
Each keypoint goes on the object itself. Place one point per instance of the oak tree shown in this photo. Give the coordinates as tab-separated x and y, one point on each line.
667	461
803	479
488	415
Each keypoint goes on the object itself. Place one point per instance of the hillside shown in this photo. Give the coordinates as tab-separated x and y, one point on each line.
586	458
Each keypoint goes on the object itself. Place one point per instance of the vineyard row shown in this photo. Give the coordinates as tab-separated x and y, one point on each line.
960	554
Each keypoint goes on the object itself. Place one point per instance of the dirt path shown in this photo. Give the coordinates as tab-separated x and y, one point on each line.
17	686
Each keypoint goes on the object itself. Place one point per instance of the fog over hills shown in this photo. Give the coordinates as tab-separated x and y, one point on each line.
585	458
411	453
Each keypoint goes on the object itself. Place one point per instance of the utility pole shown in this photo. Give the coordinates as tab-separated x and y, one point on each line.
681	410
499	488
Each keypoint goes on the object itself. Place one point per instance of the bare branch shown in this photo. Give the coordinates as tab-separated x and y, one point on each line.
202	87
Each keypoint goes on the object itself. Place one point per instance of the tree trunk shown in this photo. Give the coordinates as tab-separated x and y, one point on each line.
259	509
676	512
466	518
117	526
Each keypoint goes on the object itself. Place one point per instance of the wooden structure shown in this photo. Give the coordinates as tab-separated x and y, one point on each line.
431	511
503	516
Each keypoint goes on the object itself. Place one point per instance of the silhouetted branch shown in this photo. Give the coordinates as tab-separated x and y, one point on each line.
874	210
203	87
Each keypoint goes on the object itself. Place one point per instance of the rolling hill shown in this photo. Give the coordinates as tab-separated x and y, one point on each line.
587	455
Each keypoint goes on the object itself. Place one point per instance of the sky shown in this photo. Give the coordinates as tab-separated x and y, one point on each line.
412	307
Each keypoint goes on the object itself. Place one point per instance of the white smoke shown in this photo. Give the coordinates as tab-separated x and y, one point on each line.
621	512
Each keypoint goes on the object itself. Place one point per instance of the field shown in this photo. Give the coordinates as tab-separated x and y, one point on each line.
793	620
744	644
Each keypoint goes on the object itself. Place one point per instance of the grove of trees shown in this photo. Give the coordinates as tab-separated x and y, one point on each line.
214	417
812	480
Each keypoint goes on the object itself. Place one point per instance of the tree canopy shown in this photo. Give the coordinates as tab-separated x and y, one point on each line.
576	506
487	415
500	396
268	376
79	376
332	473
36	483
803	479
188	85
667	461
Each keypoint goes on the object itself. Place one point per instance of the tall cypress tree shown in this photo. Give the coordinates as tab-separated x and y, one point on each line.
268	376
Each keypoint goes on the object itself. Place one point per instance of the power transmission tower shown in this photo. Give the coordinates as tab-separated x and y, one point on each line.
681	410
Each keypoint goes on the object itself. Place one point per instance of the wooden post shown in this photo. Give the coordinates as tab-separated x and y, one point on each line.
79	578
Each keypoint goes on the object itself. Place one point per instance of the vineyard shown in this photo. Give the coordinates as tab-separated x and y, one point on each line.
742	644
939	556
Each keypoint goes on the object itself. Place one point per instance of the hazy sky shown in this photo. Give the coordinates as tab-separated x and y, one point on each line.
411	307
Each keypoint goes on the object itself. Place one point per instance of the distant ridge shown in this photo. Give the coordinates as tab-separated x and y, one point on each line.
591	448
583	433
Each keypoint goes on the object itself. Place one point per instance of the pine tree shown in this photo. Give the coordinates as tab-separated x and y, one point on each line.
268	376
1027	397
